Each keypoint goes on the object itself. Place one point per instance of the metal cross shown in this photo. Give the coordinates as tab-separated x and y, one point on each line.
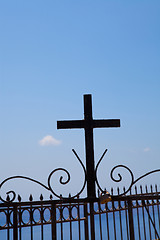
88	123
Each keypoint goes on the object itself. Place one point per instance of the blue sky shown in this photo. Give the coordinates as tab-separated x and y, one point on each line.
53	52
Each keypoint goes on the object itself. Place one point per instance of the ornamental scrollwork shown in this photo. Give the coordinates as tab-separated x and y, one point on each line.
133	180
11	195
119	176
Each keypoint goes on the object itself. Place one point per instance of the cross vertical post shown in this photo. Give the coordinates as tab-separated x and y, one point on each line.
89	145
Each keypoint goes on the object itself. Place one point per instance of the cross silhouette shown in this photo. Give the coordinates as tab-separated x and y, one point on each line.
88	123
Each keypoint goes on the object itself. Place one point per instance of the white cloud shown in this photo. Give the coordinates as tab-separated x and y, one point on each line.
49	140
147	149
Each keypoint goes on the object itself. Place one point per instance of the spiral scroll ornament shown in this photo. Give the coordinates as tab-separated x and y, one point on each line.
11	195
117	177
133	180
96	170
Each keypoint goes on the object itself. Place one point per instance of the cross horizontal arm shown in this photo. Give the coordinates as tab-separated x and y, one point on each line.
70	124
106	123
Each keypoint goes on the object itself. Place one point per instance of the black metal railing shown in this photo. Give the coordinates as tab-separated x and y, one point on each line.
119	216
129	217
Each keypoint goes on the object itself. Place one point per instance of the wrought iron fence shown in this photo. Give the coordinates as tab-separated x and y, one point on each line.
123	218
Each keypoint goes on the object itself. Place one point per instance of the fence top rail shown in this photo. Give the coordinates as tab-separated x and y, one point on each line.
137	197
153	196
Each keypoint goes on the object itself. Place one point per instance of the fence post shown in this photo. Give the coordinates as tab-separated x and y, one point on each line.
130	215
92	221
15	223
53	221
86	222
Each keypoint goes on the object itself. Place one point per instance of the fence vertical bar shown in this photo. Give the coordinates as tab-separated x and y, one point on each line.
86	222
100	220
70	218
126	220
120	219
53	221
20	222
114	221
15	223
126	216
31	220
79	223
138	221
61	218
107	221
92	226
8	223
157	201
42	222
130	215
144	225
149	224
